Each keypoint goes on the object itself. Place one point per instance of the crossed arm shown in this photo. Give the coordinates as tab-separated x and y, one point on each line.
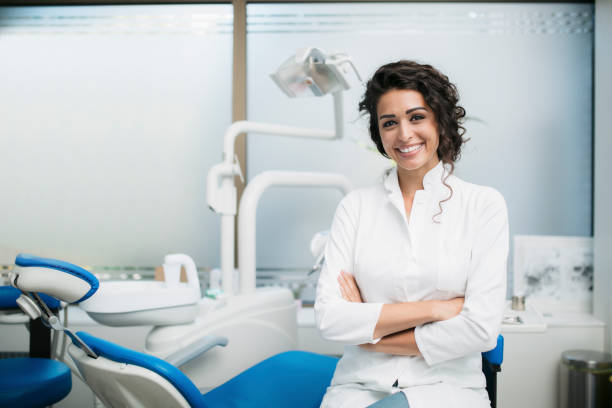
396	322
436	329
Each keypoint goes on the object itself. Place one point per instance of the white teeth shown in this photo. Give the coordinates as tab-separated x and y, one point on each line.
411	148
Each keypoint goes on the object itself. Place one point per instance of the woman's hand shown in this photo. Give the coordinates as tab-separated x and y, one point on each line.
445	309
348	287
402	344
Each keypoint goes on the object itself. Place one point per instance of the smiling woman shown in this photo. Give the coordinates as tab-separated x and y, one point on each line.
415	291
408	130
415	120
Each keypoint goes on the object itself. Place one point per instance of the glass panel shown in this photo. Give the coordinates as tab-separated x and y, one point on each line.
111	117
524	72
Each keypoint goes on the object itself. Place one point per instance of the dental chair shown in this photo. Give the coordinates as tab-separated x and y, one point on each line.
121	377
36	380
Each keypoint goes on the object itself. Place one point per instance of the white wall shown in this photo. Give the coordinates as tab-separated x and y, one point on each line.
603	164
110	117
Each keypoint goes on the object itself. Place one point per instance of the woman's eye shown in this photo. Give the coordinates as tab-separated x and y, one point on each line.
416	117
388	123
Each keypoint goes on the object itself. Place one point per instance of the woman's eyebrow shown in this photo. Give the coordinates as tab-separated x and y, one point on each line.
409	111
414	109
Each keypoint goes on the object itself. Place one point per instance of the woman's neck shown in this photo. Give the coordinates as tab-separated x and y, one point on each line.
412	180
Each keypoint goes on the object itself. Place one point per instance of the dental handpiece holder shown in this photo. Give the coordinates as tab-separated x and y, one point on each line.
145	303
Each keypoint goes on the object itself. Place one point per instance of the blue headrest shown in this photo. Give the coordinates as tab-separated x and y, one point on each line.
120	354
9	295
26	260
496	356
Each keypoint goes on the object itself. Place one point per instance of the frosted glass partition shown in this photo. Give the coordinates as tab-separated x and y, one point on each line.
110	117
525	76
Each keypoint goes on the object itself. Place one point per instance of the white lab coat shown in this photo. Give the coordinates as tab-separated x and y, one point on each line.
461	252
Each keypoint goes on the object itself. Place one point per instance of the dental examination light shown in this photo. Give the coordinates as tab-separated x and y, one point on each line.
310	72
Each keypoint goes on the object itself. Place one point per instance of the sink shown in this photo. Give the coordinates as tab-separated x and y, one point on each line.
137	303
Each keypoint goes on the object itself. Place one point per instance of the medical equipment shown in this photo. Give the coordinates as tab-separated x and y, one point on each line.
266	316
311	71
37	380
320	73
127	303
122	377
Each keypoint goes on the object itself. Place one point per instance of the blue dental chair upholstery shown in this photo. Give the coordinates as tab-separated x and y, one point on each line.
296	379
33	382
124	377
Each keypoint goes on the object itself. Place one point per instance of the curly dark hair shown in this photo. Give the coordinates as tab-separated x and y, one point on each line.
439	94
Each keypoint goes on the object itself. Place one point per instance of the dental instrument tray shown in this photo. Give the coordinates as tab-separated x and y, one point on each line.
144	303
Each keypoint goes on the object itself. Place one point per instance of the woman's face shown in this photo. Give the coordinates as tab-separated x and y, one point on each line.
408	130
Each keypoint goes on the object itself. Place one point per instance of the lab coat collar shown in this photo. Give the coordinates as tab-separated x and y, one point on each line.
431	182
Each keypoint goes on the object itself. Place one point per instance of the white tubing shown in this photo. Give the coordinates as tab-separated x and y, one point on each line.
248	210
227	253
244	126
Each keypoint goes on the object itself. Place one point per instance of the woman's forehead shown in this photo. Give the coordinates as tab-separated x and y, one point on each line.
400	100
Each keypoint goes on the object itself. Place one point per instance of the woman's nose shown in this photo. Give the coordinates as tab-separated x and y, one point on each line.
405	131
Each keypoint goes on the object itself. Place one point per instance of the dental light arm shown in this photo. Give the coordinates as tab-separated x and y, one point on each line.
310	71
248	207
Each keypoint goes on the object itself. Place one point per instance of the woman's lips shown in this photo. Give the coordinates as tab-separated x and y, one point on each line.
411	150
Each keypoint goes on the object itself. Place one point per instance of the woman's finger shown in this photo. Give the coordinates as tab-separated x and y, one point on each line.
352	286
342	289
346	286
348	283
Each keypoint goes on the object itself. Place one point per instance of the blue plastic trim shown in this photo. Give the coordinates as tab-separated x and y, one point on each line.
27	260
9	295
120	354
33	382
496	356
296	379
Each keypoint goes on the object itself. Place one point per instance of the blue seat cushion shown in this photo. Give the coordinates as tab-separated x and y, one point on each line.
294	379
9	295
33	382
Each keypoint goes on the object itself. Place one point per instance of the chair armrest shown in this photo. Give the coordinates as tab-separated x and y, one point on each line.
496	356
196	349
